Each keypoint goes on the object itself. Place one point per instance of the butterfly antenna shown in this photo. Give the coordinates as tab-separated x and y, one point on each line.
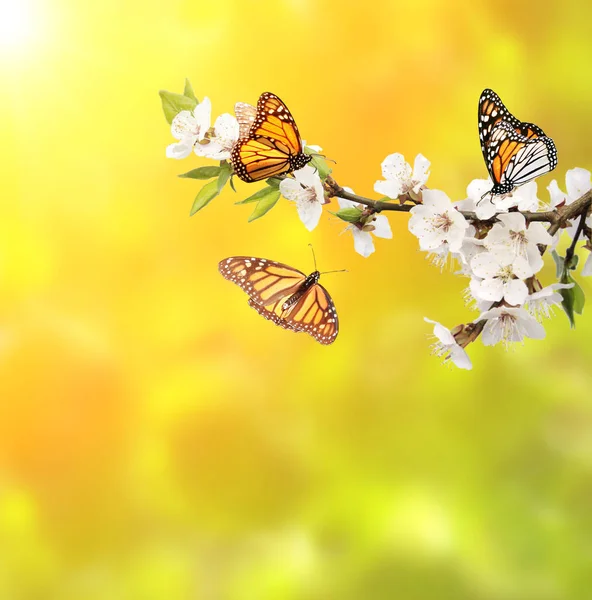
314	258
338	271
323	156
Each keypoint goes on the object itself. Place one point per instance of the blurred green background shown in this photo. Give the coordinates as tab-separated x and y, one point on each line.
159	440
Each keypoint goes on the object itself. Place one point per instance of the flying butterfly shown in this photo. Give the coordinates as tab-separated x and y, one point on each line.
515	152
285	295
269	143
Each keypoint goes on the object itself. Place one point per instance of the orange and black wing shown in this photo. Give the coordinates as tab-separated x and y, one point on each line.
514	159
265	281
493	111
276	122
258	158
314	313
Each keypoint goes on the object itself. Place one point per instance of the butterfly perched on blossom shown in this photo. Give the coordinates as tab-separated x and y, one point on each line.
515	152
269	143
285	295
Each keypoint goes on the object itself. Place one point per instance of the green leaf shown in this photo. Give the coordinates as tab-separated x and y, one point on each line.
579	298
188	91
351	215
319	163
173	104
202	173
257	195
265	204
207	193
568	304
273	182
573	262
559	262
232	184
225	173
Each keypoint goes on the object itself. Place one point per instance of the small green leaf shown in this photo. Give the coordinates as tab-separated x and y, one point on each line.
207	193
188	91
273	182
257	195
232	184
225	173
202	173
568	304
579	298
173	104
319	163
559	261
265	204
573	262
351	215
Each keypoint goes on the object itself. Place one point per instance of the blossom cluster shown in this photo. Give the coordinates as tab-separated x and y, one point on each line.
492	240
500	251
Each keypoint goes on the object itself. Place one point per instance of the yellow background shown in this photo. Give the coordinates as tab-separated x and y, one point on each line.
159	440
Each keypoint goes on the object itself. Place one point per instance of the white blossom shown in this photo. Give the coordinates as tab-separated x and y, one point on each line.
512	234
577	182
540	304
509	325
219	144
306	190
377	225
436	222
486	205
446	346
501	277
190	129
399	178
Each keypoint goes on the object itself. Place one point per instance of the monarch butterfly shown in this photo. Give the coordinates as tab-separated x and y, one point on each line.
269	143
514	152
285	295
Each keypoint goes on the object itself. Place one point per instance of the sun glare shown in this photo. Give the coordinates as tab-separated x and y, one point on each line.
16	23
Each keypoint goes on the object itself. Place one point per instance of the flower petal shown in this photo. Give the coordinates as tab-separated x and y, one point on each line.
515	292
180	149
203	117
184	125
577	182
557	196
390	188
460	357
226	127
395	168
363	243
290	189
420	171
436	200
309	212
485	265
382	227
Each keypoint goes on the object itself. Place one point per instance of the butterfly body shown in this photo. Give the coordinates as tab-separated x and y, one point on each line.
515	152
311	280
269	143
285	295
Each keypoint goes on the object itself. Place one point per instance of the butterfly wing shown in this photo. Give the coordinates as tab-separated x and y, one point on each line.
269	142
245	115
514	159
258	158
276	122
265	281
314	313
493	111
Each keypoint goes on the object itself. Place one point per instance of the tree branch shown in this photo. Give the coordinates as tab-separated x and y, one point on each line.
557	218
